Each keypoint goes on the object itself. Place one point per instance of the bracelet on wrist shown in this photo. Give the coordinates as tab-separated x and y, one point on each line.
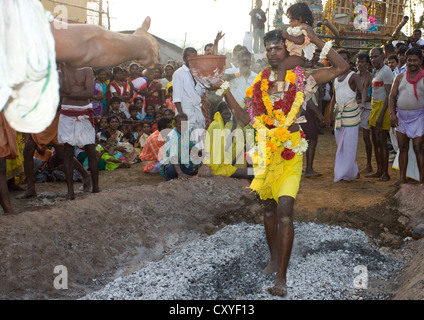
325	50
224	89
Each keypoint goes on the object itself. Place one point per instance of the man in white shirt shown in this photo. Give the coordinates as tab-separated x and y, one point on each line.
401	67
187	93
415	40
246	77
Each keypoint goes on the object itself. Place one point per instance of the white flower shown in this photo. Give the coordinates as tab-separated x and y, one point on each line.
325	50
287	144
225	86
302	147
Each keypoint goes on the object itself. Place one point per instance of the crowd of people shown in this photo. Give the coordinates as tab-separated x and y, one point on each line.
178	126
132	104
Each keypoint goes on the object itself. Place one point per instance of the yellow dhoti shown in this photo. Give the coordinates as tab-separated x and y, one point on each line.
376	108
222	158
281	177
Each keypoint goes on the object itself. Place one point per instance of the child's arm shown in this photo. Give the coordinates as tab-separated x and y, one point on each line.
295	39
289	63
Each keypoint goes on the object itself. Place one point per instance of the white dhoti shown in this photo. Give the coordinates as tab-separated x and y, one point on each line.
196	122
29	83
75	125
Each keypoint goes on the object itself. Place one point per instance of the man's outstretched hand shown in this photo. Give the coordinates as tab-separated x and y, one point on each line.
151	54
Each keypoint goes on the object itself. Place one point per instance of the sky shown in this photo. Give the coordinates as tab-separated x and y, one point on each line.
190	22
200	19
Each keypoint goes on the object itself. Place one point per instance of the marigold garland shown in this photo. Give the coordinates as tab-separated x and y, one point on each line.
275	115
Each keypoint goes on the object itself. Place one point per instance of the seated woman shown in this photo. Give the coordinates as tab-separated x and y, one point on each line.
225	145
113	140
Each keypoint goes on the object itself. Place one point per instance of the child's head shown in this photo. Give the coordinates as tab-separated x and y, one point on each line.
299	13
133	109
158	116
150	110
168	113
171	90
137	127
115	103
125	129
139	103
103	123
113	122
97	119
163	124
147	128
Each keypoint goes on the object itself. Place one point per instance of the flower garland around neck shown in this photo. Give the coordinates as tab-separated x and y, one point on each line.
274	114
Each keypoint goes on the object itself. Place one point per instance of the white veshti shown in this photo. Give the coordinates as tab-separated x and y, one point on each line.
29	85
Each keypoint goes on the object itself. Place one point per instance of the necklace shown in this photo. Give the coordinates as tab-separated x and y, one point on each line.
273	115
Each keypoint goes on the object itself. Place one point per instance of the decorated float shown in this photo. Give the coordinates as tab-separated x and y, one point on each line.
357	24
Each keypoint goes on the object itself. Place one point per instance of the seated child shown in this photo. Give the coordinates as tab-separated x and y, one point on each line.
134	112
174	164
115	103
158	116
150	113
297	42
152	152
127	134
169	103
101	126
143	135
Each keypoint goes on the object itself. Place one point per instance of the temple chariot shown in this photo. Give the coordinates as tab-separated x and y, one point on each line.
357	24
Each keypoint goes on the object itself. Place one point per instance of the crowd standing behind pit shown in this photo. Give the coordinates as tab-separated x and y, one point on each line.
133	104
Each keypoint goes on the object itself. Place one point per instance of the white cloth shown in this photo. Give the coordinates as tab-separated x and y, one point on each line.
189	94
307	48
344	94
412	167
240	85
420	42
76	131
29	85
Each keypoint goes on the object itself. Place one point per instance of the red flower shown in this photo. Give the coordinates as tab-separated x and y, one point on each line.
302	134
278	105
287	154
266	73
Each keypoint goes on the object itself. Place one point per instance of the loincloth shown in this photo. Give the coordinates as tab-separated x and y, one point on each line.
76	125
48	136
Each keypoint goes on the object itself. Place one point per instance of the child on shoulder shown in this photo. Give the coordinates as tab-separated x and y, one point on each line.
297	42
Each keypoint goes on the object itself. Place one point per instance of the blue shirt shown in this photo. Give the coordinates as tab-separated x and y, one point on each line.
399	70
178	146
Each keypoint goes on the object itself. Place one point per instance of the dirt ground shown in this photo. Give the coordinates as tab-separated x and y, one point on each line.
138	218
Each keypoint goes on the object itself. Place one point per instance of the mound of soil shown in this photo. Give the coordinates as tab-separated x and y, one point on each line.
138	218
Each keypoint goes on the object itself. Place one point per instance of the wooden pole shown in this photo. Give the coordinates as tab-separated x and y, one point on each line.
359	38
251	18
100	12
269	7
108	15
